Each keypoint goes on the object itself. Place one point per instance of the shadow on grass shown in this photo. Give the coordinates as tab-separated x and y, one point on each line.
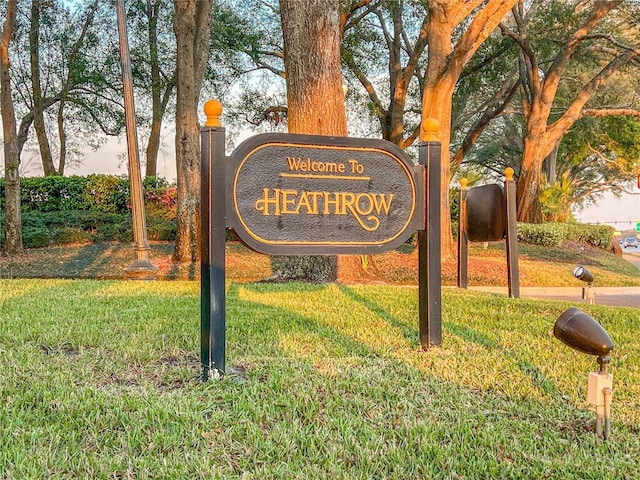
148	325
410	333
274	331
391	411
93	261
96	260
100	261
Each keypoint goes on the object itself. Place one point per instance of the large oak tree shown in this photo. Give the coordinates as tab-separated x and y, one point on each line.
477	19
546	118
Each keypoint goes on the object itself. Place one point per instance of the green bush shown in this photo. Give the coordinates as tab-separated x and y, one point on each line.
34	220
35	237
53	194
66	235
97	192
545	234
107	233
552	234
161	202
162	230
85	220
154	182
600	236
107	193
79	209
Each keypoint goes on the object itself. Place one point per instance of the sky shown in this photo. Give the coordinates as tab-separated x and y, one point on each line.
625	211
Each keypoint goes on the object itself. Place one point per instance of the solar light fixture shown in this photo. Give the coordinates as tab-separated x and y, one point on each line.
584	334
581	273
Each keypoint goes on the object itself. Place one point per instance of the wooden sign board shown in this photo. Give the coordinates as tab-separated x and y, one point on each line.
302	194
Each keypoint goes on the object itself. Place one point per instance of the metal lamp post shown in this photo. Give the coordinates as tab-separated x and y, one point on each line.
141	268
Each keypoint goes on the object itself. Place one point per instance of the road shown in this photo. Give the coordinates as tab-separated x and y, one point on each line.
612	296
632	255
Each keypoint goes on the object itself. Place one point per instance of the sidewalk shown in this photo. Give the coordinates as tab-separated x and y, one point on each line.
614	296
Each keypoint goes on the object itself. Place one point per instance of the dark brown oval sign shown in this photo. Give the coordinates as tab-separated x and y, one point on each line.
302	194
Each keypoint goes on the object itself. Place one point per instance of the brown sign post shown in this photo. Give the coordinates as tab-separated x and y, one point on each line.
290	194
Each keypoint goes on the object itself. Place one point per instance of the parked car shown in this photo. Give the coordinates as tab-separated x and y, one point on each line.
630	242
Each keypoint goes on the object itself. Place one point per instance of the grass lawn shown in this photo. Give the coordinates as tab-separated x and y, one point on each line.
99	380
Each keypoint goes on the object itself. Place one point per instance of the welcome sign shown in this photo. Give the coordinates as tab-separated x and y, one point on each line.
288	194
303	194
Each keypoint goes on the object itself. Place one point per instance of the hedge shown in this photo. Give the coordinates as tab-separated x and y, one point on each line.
600	236
95	192
62	210
552	234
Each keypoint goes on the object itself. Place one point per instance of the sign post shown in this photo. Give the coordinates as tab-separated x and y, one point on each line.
463	241
513	271
429	244
212	238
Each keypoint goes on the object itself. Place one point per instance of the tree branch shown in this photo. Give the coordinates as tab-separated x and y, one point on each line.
575	110
554	74
610	112
368	86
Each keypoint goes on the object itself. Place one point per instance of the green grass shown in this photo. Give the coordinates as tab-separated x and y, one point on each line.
99	380
553	266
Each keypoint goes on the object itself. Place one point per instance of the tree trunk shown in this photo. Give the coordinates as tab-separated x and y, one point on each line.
437	103
160	101
446	63
159	98
13	221
538	144
311	33
153	147
192	26
62	136
38	107
550	165
529	209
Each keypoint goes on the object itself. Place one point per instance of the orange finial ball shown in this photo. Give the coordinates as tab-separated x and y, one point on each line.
430	128
463	183
508	172
212	109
